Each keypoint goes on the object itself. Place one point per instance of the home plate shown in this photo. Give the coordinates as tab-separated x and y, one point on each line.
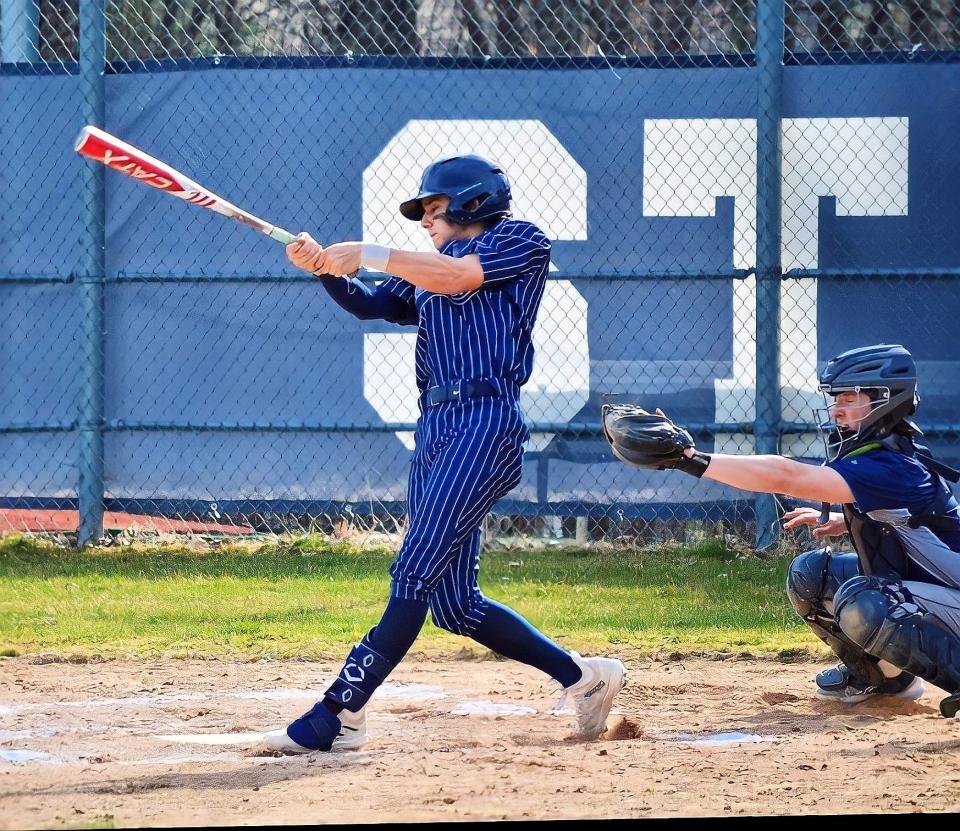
214	738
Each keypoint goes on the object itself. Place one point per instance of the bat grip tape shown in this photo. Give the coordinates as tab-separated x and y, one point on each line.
280	235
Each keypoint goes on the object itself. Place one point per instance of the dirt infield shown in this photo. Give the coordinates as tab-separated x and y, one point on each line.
143	744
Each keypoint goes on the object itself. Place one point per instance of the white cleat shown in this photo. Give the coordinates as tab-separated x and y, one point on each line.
592	696
353	734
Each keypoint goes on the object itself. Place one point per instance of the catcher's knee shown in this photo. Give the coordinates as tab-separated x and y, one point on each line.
864	609
805	580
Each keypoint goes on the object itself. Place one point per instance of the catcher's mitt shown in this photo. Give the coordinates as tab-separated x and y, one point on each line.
648	441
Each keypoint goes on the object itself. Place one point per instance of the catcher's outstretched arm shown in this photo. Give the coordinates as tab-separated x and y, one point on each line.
777	474
651	441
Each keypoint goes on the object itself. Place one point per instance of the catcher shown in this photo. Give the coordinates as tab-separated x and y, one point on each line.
890	611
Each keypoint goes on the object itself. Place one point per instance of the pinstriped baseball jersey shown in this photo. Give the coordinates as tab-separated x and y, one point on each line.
485	333
469	453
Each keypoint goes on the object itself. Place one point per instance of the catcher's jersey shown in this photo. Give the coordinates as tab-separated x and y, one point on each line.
882	480
486	333
889	488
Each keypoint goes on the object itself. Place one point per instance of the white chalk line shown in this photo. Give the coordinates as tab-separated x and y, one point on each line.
26	757
223	739
490	708
390	691
387	690
730	738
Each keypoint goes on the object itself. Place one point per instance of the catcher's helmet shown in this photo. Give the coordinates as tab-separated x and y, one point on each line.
467	180
888	375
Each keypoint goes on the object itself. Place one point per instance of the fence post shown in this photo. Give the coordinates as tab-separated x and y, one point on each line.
20	30
769	262
92	58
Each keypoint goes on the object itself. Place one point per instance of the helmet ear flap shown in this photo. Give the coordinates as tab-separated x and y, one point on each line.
476	202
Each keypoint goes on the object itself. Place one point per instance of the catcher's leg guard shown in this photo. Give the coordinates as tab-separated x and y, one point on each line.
364	671
812	582
814	578
885	619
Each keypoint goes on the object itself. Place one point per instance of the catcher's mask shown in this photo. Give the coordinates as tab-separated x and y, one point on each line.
887	374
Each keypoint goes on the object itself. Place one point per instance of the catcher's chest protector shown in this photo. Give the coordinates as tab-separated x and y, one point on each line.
877	545
896	544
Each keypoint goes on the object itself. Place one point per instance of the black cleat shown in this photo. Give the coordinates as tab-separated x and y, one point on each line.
839	684
950	706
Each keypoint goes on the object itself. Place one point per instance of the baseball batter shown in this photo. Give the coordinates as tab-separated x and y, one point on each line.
474	303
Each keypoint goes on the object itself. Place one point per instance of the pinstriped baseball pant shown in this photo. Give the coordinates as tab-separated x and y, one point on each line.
468	455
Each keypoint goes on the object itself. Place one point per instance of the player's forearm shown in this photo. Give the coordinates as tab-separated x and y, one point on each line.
435	272
761	474
776	474
362	301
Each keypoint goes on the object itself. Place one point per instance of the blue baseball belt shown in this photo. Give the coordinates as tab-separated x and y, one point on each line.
458	391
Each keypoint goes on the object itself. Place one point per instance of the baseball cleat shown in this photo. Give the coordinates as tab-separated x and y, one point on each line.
950	706
352	734
592	696
839	684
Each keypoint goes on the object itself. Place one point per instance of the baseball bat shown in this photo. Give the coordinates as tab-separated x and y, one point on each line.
102	147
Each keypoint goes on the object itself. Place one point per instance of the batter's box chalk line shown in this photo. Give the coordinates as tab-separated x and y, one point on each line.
214	739
491	708
732	737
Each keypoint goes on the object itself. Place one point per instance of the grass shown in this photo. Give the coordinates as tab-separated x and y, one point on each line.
310	599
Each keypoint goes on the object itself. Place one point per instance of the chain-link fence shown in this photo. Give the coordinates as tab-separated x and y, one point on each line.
664	29
734	191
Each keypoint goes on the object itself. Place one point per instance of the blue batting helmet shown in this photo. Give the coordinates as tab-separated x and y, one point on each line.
478	190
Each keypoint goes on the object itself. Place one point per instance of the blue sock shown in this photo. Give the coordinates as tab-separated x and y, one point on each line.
508	634
398	628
